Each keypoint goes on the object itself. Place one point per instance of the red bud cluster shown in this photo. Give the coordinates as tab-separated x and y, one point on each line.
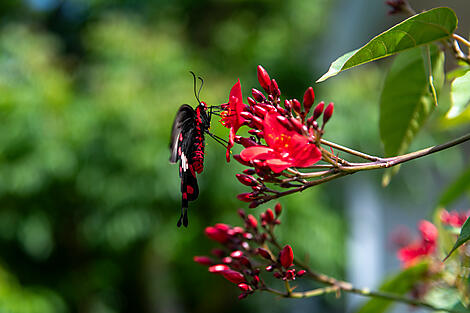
282	136
246	252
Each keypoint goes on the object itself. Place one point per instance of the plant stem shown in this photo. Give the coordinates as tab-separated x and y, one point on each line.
347	168
363	292
350	151
461	39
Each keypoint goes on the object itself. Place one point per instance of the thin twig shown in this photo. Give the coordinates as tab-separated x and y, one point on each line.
351	168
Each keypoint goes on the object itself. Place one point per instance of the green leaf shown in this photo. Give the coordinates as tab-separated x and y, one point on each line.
456	189
406	100
418	30
460	95
463	237
399	284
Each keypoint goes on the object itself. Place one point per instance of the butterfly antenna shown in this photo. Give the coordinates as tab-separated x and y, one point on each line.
200	88
196	94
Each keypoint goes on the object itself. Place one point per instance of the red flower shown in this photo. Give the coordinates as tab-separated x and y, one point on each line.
285	148
423	247
231	117
454	218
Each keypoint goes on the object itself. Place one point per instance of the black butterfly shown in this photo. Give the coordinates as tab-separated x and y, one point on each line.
187	147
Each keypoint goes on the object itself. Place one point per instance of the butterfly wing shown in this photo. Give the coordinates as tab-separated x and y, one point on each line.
182	148
183	124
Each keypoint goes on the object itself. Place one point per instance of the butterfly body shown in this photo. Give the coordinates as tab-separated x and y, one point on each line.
187	147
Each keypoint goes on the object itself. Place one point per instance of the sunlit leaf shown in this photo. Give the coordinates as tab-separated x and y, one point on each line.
460	95
421	29
463	237
399	284
406	100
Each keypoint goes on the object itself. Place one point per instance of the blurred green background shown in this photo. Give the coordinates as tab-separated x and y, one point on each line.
88	199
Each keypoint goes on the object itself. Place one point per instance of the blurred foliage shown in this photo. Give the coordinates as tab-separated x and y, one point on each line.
88	199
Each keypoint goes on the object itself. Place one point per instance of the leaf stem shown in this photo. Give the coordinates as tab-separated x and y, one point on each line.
461	39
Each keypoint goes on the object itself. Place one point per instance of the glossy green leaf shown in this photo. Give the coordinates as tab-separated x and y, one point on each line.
406	100
460	95
418	30
456	189
399	284
463	237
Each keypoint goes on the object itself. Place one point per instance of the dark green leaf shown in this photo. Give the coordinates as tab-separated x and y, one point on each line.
406	100
463	237
460	95
421	29
456	189
399	284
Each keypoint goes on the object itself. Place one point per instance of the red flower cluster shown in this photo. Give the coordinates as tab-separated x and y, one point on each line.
454	218
245	253
291	138
423	247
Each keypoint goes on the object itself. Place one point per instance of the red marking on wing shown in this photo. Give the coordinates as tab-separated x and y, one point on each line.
190	190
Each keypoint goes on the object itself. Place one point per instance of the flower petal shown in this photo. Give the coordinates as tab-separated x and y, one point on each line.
278	165
256	153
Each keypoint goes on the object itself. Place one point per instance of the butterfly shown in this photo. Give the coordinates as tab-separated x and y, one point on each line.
187	147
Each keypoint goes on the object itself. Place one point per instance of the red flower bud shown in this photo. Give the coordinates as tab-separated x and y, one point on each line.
278	209
242	296
245	142
249	171
318	110
245	261
241	213
286	256
251	101
254	204
227	260
246	115
245	197
258	95
261	112
309	97
264	253
275	88
237	230
252	221
218	253
236	254
297	125
216	234
245	245
288	105
269	216
218	268
244	287
328	113
263	78
233	276
290	275
301	273
277	275
247	236
296	106
284	121
203	260
240	160
223	227
257	122
247	180
269	268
